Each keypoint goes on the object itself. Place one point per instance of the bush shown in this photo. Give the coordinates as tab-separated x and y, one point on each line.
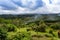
20	36
54	33
51	32
10	27
55	26
48	35
40	28
3	33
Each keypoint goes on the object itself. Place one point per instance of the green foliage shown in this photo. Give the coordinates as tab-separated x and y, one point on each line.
3	33
16	29
55	26
48	35
20	36
41	27
9	27
51	32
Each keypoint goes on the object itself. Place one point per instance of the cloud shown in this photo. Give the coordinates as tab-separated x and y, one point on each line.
54	7
29	6
7	4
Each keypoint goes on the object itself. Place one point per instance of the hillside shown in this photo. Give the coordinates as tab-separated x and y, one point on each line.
30	27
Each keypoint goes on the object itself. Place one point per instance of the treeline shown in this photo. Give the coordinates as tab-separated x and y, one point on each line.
42	16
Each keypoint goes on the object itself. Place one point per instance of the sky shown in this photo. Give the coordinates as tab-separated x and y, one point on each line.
29	6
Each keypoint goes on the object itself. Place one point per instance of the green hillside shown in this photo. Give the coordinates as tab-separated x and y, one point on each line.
32	27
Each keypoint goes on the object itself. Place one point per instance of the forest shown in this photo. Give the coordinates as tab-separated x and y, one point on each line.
30	27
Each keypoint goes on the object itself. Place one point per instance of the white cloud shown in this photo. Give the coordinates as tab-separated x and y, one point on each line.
47	8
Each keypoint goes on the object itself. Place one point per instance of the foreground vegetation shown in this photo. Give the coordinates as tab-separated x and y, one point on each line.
20	29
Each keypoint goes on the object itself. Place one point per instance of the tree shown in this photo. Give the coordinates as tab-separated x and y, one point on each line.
55	26
3	33
41	27
9	27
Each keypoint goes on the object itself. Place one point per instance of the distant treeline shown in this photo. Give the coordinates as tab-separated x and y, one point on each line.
48	17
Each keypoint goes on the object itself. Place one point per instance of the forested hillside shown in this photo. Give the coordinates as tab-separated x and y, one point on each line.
30	27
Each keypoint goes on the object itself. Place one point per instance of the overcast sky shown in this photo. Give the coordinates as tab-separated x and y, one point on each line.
29	6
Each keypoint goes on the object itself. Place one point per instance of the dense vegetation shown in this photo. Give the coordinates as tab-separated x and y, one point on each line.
22	29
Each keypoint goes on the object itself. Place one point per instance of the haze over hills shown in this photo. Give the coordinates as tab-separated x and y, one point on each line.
47	17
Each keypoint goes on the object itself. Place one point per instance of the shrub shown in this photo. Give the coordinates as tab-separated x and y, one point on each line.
3	33
51	32
55	26
10	27
48	35
20	36
40	28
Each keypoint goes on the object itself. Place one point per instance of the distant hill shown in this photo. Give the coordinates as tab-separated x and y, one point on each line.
47	17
